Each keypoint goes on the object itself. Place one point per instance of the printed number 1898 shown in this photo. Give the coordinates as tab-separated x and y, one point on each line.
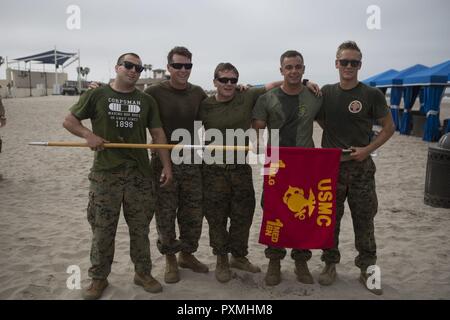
124	124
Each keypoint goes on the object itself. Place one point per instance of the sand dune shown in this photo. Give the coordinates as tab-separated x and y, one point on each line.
43	226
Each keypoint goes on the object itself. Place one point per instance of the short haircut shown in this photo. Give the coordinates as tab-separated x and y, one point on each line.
348	45
290	54
122	57
182	51
224	66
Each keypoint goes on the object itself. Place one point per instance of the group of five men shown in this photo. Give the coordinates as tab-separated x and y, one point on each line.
187	192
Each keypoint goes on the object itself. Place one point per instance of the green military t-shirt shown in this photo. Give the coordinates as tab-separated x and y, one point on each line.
121	118
178	108
233	114
292	115
348	115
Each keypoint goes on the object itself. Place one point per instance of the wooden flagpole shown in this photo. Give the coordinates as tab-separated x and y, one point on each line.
138	145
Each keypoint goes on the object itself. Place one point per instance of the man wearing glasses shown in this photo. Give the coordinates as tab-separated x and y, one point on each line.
179	102
120	177
347	115
228	187
292	110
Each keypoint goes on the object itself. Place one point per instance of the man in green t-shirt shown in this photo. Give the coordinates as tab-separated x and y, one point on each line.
227	183
291	109
120	177
178	102
349	110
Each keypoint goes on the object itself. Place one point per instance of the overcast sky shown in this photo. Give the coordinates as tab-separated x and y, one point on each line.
251	34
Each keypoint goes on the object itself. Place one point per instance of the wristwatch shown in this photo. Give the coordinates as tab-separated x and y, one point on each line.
305	81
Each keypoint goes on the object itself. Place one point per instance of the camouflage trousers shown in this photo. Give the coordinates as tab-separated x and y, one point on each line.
108	192
228	194
180	201
356	184
280	253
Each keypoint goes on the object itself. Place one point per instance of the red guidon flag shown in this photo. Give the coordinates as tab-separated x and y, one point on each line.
300	198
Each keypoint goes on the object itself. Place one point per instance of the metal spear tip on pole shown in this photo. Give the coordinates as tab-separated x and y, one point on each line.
38	143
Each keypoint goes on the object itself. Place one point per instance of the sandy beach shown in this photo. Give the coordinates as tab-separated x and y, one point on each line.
43	226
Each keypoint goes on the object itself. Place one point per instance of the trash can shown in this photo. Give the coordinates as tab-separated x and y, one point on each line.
437	182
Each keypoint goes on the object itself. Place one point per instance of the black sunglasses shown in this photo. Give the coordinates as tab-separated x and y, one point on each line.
178	66
129	65
353	63
225	80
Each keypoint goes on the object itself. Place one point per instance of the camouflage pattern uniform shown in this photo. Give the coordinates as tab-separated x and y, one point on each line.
228	193
294	117
108	191
280	253
357	184
348	116
182	200
119	177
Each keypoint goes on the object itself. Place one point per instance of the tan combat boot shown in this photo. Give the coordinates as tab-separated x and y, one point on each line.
189	261
363	279
302	272
171	274
243	263
146	281
273	275
95	289
223	272
328	275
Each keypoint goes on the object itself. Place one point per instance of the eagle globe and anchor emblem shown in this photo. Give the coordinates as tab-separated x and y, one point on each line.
301	204
296	201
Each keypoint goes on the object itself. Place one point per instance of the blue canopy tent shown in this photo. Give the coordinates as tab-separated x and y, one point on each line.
372	80
422	99
434	80
395	82
385	82
409	98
